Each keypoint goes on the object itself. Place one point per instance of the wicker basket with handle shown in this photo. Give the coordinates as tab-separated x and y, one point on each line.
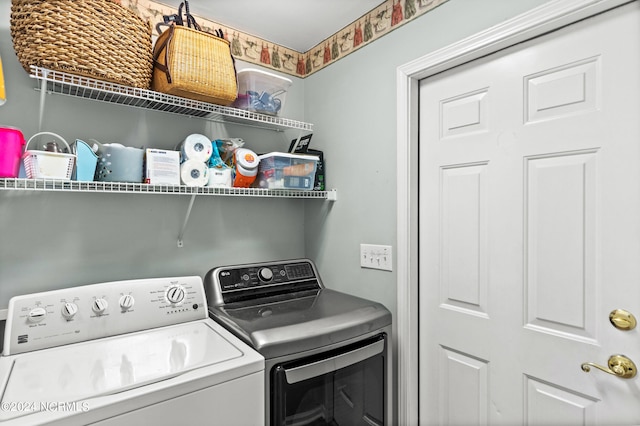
93	38
195	65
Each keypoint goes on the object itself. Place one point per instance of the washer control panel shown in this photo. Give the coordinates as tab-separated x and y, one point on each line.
71	315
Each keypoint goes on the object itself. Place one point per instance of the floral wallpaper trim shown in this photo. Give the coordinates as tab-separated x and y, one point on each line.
378	22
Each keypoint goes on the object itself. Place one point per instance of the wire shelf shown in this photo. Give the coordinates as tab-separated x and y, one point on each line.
98	90
143	188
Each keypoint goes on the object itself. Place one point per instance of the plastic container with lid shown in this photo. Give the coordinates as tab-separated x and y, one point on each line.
261	91
280	170
246	167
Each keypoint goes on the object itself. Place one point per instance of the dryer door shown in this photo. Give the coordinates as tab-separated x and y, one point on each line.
341	387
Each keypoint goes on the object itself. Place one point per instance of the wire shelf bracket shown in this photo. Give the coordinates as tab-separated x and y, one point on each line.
58	185
58	82
186	220
62	83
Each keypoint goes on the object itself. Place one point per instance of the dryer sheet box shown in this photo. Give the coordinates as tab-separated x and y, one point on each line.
162	167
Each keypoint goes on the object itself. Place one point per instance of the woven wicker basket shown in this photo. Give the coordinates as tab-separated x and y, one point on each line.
195	65
93	38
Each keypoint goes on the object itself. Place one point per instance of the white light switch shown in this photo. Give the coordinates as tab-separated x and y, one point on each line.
376	257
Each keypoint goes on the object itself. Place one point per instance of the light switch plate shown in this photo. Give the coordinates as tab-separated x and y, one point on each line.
376	257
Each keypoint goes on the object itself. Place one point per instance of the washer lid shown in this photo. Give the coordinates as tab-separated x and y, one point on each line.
297	322
84	370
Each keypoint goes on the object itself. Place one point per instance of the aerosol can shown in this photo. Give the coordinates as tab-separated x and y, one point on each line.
3	94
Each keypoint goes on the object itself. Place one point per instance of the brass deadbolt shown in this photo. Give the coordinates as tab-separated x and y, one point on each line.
622	320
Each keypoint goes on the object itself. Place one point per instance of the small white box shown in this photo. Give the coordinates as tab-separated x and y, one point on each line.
219	177
162	167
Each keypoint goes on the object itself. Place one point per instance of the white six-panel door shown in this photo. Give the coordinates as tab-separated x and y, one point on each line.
530	230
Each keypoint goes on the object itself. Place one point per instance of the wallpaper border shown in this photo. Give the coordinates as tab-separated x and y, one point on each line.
389	15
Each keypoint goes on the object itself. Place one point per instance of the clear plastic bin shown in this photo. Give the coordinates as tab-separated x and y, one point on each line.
261	91
280	170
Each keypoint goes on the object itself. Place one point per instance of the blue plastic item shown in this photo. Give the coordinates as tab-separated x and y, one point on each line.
86	161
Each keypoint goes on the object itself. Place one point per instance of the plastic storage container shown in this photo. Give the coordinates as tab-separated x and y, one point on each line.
48	164
11	146
246	167
86	160
279	170
119	163
261	91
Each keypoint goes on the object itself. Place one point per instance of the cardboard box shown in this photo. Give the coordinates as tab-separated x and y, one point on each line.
321	174
162	167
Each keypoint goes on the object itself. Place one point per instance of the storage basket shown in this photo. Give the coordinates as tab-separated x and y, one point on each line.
92	38
46	164
195	65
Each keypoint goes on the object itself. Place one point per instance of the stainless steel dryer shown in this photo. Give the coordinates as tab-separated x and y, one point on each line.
328	358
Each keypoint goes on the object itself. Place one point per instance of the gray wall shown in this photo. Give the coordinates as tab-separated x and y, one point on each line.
353	106
52	240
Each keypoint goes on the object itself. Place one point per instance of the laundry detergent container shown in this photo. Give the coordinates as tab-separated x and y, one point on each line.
11	146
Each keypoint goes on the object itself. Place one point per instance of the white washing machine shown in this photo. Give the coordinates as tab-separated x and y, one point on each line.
126	353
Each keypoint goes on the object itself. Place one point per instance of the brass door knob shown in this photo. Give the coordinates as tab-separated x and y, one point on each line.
622	320
619	366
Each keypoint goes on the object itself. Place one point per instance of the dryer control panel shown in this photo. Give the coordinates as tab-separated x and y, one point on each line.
229	284
59	317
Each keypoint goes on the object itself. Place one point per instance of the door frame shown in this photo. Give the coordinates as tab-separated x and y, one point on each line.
540	20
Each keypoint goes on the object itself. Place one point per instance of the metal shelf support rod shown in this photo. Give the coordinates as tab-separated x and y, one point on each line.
43	93
186	220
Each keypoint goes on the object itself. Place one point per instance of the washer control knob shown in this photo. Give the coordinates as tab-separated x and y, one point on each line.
99	306
175	294
69	310
265	274
126	302
37	315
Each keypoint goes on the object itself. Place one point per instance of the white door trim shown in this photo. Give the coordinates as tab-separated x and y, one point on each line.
547	17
